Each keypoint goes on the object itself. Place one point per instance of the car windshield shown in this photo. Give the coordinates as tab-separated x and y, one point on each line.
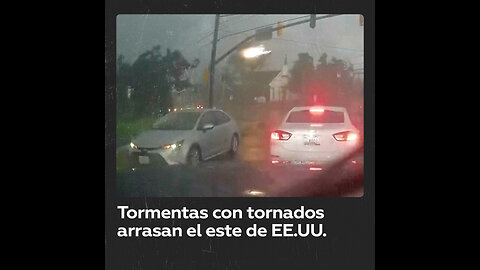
281	103
177	121
306	116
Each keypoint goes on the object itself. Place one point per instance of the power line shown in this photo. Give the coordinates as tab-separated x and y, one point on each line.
232	23
220	25
228	20
211	32
307	43
228	31
242	32
210	42
250	37
204	37
196	43
262	26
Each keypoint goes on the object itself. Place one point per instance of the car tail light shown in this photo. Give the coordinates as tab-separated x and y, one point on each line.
281	135
346	136
316	110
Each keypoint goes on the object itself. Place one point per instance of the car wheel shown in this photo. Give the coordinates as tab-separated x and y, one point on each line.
234	145
194	157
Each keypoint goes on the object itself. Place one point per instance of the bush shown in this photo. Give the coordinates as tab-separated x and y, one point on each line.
129	126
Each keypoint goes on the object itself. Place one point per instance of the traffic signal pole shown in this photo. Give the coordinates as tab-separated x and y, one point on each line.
273	29
214	47
212	62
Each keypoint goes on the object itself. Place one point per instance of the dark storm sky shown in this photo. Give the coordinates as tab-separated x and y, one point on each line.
340	36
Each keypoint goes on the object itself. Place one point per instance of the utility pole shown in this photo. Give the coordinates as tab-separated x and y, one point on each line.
251	37
212	62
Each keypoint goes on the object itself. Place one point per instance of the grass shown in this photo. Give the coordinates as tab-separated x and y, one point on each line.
122	162
128	127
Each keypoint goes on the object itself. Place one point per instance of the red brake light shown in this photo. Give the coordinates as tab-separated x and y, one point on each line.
346	136
280	135
316	110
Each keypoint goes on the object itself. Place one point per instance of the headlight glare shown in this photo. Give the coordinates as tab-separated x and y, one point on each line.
174	145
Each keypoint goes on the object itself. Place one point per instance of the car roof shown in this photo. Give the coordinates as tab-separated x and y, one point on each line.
199	110
186	110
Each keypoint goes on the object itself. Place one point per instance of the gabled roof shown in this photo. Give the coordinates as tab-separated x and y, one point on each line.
262	78
280	79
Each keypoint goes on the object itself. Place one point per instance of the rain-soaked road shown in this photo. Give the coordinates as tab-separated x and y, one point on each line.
223	177
220	177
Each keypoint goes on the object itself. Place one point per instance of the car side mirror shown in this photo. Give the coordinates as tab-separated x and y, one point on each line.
207	126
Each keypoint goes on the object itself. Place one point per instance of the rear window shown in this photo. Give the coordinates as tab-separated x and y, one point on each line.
306	116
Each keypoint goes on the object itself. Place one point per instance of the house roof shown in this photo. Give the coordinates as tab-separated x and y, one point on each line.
257	83
261	78
263	75
280	79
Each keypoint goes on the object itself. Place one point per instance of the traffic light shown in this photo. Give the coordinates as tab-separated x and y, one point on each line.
280	29
313	20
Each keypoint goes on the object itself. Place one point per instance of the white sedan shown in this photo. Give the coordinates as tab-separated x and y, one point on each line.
314	136
186	137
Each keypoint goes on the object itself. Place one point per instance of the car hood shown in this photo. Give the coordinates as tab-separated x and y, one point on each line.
157	138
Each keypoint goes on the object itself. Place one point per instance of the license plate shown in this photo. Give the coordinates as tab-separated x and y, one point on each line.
143	159
302	162
311	140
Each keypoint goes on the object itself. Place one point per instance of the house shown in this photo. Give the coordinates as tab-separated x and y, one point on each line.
256	85
279	85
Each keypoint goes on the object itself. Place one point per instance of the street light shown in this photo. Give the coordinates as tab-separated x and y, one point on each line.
254	52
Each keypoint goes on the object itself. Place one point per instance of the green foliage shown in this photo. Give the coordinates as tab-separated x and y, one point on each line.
302	73
123	80
322	61
332	80
130	126
238	68
153	77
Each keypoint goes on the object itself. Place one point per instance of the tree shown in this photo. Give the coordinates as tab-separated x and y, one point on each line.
329	83
302	73
335	79
237	70
123	80
153	77
322	61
